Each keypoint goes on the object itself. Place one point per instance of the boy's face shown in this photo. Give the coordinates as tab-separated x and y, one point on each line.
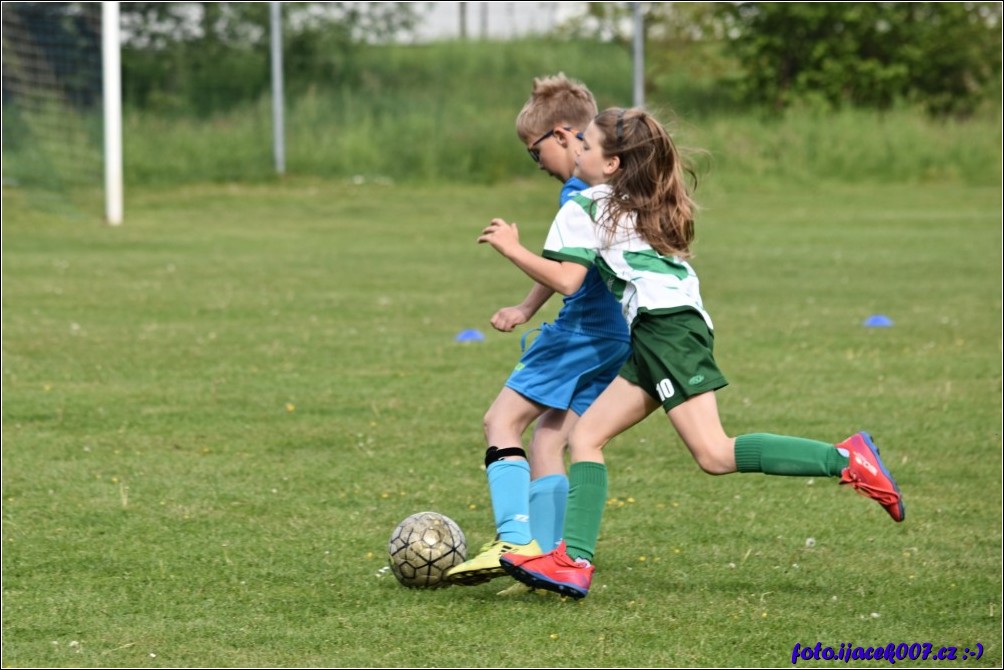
554	151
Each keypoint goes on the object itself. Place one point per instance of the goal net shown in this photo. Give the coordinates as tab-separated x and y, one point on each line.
52	100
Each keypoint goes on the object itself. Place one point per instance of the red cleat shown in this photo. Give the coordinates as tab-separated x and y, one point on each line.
868	475
554	571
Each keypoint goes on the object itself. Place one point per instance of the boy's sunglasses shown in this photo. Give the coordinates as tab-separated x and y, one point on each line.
535	153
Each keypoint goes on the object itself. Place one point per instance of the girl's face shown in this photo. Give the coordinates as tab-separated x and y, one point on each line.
591	166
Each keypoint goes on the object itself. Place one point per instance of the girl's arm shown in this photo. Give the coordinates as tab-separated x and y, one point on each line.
563	277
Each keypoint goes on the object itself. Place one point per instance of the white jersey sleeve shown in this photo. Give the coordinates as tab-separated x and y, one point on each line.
572	236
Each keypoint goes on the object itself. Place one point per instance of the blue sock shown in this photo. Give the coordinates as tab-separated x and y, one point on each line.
547	509
509	484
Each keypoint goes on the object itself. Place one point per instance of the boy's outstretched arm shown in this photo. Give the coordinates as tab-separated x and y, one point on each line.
507	318
563	277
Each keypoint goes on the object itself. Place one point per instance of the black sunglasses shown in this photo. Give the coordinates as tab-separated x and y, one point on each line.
535	153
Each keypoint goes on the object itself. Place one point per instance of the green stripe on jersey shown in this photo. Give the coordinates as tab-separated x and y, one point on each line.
650	261
588	205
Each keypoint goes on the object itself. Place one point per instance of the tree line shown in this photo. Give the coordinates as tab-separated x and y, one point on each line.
205	57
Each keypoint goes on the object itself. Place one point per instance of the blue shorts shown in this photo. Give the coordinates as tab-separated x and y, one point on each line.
564	369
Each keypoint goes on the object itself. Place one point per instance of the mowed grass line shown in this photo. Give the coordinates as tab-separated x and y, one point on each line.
214	415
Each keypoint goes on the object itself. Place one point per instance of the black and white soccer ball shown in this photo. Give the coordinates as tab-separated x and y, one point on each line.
423	547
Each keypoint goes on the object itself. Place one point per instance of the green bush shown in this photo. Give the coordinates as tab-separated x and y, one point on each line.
446	112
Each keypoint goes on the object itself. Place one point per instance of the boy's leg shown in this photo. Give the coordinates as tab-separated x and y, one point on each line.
548	482
508	418
508	472
509	486
548	501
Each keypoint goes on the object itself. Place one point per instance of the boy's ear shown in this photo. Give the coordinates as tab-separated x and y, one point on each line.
564	137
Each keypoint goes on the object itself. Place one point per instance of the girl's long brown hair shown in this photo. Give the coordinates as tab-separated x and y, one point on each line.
651	182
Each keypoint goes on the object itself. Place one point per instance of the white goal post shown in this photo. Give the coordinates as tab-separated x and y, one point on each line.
111	66
62	104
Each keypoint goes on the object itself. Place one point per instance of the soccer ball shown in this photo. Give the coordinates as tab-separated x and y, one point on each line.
423	547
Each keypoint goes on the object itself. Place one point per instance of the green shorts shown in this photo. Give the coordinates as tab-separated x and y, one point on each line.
672	357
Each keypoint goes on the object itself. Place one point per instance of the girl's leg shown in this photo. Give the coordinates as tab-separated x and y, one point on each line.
619	407
697	422
700	428
856	460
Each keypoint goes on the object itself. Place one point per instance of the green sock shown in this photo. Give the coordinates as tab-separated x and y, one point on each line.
587	496
792	456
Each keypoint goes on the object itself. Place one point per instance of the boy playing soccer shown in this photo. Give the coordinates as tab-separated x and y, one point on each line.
562	372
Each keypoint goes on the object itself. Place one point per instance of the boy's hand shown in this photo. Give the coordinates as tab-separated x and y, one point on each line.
504	237
508	318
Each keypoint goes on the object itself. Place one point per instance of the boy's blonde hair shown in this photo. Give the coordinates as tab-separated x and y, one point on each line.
556	100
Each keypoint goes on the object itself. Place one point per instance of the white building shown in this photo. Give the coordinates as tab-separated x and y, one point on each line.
491	20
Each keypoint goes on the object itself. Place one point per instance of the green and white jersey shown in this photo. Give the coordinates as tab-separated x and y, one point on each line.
643	280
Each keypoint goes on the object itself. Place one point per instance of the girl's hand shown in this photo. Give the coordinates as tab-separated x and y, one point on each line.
504	237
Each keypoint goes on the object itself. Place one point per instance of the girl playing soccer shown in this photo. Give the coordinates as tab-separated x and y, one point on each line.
635	224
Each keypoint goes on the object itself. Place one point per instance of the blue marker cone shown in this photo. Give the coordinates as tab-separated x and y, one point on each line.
470	335
878	321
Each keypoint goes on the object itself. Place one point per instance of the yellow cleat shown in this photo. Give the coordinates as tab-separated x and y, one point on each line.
485	566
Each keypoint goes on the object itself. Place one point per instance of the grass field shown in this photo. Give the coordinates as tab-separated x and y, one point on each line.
214	416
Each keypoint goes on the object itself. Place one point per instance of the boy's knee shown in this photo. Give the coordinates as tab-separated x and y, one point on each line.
493	420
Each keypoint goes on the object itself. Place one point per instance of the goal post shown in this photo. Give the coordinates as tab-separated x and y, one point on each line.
62	105
111	68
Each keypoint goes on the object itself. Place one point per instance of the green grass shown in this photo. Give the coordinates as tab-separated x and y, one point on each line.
214	416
